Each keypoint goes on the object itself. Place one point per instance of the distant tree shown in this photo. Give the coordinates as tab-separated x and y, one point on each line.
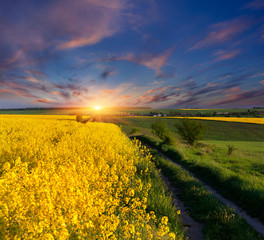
190	130
161	130
79	118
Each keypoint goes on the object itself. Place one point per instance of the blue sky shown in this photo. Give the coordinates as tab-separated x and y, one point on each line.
162	54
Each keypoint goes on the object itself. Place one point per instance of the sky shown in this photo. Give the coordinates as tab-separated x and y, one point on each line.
136	53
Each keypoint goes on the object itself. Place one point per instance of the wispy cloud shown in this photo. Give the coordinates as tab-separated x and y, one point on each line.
248	97
157	82
59	25
160	94
225	55
9	62
80	42
262	82
35	73
125	96
152	61
68	24
188	83
16	88
32	79
30	87
255	5
43	100
225	76
195	95
109	71
91	21
233	90
257	75
223	31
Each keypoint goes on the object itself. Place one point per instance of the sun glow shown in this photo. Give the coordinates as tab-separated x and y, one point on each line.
97	108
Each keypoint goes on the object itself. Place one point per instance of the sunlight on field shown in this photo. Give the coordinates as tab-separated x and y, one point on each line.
229	119
97	108
60	179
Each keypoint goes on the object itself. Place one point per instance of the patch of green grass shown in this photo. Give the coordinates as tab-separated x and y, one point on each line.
220	221
233	131
240	145
215	130
237	177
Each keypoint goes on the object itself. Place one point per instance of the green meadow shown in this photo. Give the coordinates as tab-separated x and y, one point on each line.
238	176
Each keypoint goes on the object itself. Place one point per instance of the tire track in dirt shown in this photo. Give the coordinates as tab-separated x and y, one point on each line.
192	228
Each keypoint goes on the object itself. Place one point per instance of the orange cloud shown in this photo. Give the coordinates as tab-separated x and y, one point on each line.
125	96
80	42
158	82
108	91
32	79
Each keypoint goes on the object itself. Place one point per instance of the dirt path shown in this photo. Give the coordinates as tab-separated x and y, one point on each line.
192	228
253	222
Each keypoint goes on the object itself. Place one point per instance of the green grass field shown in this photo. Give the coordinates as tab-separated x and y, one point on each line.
239	177
216	130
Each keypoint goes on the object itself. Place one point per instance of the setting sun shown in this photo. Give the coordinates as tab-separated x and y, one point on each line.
97	107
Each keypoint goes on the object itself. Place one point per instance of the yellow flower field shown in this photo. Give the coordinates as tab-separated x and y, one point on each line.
229	119
60	179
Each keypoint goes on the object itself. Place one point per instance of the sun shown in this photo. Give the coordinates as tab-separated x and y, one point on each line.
97	108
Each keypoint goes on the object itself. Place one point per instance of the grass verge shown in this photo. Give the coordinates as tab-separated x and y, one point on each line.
159	198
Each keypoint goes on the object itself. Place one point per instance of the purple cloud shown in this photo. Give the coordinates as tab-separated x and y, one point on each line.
24	86
222	32
35	73
160	94
258	75
255	96
225	55
11	61
43	100
152	61
255	5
